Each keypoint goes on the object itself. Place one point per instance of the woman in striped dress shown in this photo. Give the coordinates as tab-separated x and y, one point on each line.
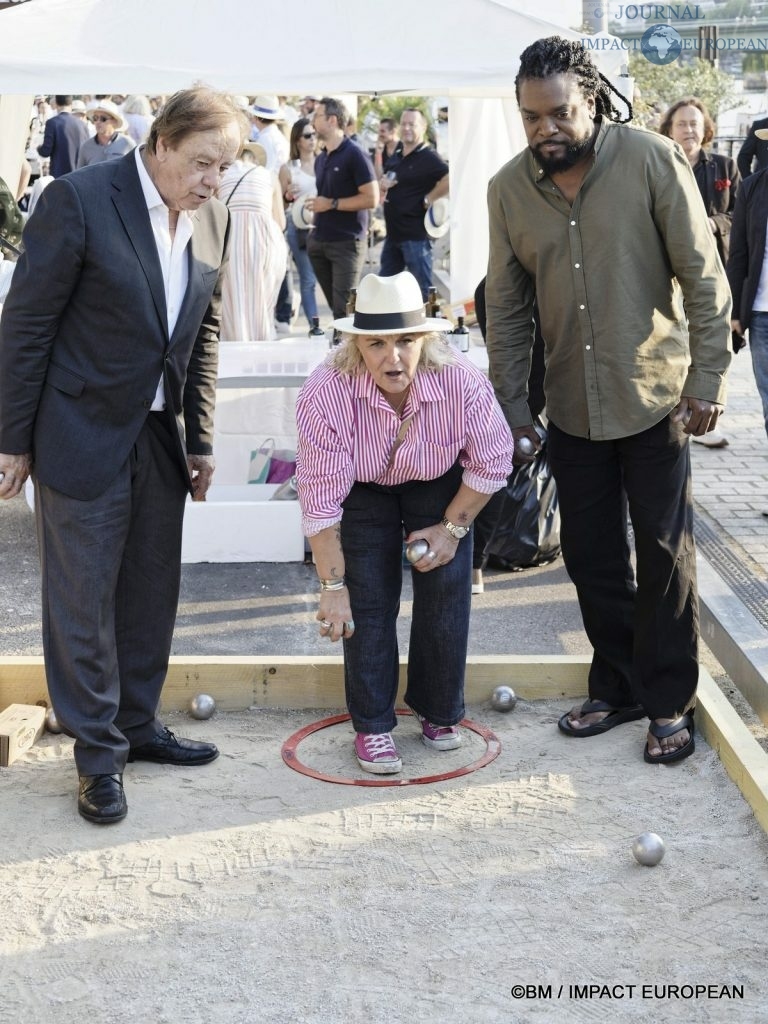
397	434
257	252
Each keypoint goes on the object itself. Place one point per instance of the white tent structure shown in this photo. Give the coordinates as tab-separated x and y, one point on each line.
464	49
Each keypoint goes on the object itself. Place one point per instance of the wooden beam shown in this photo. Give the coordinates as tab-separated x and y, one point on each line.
302	682
743	758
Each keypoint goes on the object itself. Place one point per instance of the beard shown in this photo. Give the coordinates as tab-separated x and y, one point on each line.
573	154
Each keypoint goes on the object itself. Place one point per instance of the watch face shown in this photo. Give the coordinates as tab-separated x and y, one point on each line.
456	531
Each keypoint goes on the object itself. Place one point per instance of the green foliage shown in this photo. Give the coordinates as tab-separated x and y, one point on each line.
389	106
660	87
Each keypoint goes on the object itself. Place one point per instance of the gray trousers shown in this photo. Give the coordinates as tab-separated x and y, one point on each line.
111	571
337	267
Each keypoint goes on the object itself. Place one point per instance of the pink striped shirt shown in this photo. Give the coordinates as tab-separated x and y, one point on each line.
346	431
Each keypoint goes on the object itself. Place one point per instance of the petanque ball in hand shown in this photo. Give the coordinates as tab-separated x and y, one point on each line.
503	698
416	549
648	849
202	706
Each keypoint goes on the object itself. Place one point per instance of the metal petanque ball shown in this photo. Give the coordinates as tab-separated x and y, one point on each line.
416	549
648	849
51	721
202	706
503	698
526	446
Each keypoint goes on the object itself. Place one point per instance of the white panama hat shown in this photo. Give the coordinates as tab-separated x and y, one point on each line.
112	110
390	305
437	219
266	107
301	216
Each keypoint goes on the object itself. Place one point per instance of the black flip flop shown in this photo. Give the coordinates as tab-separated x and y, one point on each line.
662	731
615	716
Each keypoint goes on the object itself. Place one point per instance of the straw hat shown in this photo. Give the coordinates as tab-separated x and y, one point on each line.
110	108
266	107
257	151
301	216
437	218
390	305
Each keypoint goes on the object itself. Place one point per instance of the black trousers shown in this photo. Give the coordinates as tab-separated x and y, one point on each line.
642	623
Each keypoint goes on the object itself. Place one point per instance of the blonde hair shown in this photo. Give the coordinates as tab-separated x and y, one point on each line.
435	352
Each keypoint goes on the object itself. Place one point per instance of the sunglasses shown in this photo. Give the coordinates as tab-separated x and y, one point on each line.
308	135
100	118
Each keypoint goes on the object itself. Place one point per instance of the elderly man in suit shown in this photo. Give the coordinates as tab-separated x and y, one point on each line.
108	359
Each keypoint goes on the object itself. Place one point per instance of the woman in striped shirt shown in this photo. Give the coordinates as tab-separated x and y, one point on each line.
397	434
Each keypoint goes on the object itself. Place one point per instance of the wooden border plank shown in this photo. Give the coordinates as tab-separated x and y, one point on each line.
303	682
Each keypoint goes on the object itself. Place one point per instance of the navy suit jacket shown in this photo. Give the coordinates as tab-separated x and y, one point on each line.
84	338
63	135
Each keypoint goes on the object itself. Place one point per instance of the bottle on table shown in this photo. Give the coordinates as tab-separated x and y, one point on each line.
460	335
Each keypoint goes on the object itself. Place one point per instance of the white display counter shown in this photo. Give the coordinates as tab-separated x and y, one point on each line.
255	400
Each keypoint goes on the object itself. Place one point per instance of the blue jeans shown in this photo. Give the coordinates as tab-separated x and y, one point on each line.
307	279
414	256
758	347
372	527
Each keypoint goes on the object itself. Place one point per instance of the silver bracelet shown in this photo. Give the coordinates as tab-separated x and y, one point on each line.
338	584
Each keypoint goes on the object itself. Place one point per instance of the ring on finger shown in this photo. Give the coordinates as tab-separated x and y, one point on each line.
349	626
431	554
325	624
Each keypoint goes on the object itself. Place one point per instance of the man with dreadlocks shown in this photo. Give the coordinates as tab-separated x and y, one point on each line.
603	223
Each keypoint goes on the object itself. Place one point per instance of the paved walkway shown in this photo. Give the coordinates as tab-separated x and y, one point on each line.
730	485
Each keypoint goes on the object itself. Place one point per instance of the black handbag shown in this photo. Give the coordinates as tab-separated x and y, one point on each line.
527	529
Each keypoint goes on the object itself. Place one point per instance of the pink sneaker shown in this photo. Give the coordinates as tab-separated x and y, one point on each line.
377	753
439	737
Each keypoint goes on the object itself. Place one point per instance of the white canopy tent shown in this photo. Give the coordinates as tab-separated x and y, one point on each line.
464	49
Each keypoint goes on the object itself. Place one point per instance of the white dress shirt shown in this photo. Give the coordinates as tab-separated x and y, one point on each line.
172	254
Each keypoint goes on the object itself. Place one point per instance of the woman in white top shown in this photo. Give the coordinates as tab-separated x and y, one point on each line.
297	179
257	254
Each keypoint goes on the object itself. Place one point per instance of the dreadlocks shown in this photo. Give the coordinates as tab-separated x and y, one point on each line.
557	56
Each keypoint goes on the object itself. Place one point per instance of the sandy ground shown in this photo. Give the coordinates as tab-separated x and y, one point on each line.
246	892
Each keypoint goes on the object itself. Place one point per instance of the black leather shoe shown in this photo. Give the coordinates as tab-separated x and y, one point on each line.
166	748
101	799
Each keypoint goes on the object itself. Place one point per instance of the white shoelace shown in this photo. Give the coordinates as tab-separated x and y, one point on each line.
381	743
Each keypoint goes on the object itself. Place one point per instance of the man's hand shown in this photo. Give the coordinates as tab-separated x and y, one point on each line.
201	469
521	455
14	470
318	204
699	417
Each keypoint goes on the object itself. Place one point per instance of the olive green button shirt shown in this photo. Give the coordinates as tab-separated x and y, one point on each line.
633	299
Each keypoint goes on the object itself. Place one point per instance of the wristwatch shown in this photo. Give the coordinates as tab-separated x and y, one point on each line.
457	532
334	204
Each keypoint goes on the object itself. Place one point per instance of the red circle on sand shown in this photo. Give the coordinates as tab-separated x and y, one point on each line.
291	758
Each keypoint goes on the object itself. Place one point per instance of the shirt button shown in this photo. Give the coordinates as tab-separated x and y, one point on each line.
573	223
577	265
588	347
582	307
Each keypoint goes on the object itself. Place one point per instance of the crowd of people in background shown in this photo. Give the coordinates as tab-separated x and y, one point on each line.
276	198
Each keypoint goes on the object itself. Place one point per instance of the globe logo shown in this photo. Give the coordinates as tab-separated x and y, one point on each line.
661	44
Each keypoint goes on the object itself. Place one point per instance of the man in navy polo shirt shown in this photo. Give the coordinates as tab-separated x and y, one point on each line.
414	177
346	191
